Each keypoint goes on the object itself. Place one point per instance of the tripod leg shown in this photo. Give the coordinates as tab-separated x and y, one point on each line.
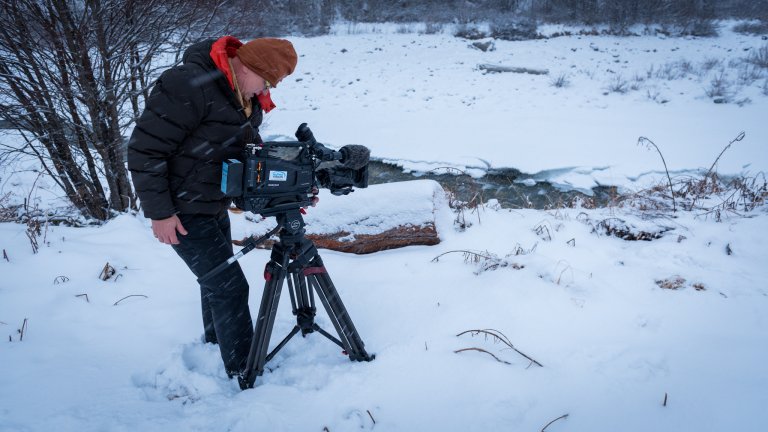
265	322
321	281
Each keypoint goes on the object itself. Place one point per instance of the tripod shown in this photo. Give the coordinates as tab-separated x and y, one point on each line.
295	259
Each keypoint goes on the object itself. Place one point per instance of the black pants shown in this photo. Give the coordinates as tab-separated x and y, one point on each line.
224	298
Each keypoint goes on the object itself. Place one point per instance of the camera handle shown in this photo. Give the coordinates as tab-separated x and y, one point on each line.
249	244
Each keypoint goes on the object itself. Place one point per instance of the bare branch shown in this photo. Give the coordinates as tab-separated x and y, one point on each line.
129	296
564	416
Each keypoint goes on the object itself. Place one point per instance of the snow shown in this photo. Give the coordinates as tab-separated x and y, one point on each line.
587	306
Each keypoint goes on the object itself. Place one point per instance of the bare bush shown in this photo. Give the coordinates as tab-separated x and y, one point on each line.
709	64
470	32
719	88
72	77
759	57
560	81
754	27
515	31
709	193
618	85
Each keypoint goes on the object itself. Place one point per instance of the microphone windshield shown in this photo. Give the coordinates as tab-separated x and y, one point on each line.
355	156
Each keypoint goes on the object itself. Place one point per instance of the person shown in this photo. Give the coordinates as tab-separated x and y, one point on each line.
199	114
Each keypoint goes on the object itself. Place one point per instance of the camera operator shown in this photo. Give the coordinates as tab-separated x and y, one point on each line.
199	114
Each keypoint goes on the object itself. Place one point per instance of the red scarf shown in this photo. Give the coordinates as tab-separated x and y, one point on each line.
224	49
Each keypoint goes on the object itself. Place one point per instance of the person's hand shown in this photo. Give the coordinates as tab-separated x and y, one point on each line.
315	198
165	229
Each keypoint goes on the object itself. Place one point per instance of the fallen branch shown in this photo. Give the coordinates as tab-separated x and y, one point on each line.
85	295
561	417
497	335
484	351
132	295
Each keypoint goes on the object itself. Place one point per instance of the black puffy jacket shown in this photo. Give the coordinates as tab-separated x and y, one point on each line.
192	122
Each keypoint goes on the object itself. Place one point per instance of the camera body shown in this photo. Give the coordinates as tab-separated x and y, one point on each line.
274	177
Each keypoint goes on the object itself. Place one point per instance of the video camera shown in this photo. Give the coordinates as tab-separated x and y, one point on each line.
274	177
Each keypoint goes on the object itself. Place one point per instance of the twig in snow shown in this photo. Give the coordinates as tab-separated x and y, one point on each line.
84	295
671	191
497	335
469	256
738	138
371	416
107	272
60	280
484	351
561	417
22	330
665	399
132	295
5	255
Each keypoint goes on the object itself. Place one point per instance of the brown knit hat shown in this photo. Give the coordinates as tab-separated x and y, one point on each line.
272	59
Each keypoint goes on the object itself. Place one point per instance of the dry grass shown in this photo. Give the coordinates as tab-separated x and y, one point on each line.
709	194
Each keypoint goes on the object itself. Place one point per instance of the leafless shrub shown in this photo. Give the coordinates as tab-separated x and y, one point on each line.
560	81
468	186
748	74
515	31
655	96
486	261
755	27
686	67
709	193
618	85
668	71
470	32
433	28
8	213
709	64
759	57
719	88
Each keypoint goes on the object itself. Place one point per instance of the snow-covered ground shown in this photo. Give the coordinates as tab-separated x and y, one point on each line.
614	345
422	102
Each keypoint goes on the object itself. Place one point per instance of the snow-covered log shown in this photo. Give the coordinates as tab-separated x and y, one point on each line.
380	217
490	68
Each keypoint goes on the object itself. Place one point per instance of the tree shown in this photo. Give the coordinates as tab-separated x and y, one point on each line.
73	74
